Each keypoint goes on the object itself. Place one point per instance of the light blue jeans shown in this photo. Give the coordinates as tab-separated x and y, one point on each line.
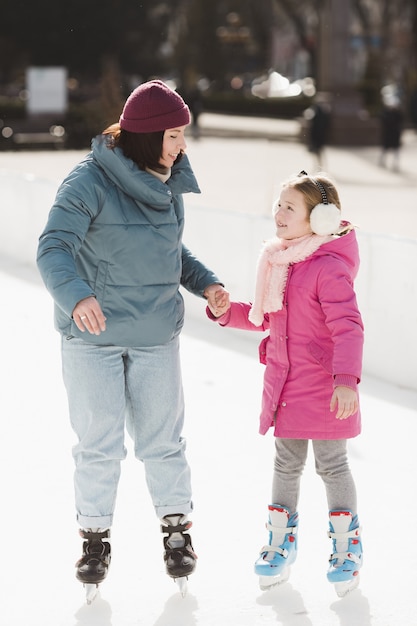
107	385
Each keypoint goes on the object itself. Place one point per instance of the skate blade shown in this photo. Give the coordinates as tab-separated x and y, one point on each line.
91	592
268	582
182	584
342	589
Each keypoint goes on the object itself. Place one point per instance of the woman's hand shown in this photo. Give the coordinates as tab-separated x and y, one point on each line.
345	400
88	315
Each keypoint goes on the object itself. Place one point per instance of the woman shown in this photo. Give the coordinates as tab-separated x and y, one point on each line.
112	257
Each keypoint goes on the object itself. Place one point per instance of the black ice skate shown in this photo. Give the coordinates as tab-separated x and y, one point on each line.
180	558
93	566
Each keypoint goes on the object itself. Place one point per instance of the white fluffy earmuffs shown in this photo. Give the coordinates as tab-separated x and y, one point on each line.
325	219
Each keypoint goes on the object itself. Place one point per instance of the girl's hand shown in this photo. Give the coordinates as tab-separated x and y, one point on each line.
346	401
218	299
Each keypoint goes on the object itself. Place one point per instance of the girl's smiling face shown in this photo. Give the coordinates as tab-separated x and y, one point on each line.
292	218
173	143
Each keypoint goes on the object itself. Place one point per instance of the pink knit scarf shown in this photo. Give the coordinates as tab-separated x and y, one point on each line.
272	271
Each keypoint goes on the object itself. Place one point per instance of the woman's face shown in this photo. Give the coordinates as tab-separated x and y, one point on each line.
173	143
292	218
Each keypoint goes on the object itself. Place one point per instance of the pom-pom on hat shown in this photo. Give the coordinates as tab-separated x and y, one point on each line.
153	106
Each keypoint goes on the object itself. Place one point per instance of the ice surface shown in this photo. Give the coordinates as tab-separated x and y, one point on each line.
232	468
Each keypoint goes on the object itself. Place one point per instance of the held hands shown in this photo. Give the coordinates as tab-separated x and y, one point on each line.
345	400
218	299
88	315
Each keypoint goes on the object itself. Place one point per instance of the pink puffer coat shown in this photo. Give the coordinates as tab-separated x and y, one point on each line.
317	335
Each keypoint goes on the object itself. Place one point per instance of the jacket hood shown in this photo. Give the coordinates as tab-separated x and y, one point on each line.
345	248
138	184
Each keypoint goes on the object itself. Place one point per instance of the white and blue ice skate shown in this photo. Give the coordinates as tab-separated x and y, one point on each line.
346	559
273	565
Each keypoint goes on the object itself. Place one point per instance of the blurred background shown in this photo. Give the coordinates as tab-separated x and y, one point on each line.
66	68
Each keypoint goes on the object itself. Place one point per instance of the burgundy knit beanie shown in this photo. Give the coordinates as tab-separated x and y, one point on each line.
153	106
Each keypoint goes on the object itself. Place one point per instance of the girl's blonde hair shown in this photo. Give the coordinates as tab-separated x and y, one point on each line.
310	189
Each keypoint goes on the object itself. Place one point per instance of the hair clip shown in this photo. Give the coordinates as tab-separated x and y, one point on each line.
303	173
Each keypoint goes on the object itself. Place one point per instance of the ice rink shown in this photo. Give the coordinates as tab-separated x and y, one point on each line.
232	468
231	464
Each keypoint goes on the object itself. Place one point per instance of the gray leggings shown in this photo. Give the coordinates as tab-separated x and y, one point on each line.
331	465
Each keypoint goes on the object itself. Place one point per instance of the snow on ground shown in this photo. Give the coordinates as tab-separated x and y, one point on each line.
232	469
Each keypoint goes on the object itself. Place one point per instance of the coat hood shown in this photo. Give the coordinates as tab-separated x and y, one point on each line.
345	248
139	184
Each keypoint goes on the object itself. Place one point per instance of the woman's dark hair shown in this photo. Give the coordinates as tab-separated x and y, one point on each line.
144	149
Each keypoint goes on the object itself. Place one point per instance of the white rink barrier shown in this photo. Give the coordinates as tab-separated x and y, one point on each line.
386	285
229	243
25	201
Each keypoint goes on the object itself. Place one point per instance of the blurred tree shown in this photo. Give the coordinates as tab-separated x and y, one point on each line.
189	38
218	40
78	34
386	34
197	53
383	37
303	15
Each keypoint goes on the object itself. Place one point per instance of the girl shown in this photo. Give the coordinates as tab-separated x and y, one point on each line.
313	354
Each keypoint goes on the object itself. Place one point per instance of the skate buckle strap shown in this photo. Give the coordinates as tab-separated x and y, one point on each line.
350	534
92	535
179	528
291	530
345	556
277	549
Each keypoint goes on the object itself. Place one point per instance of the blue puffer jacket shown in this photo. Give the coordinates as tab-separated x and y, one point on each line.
115	232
